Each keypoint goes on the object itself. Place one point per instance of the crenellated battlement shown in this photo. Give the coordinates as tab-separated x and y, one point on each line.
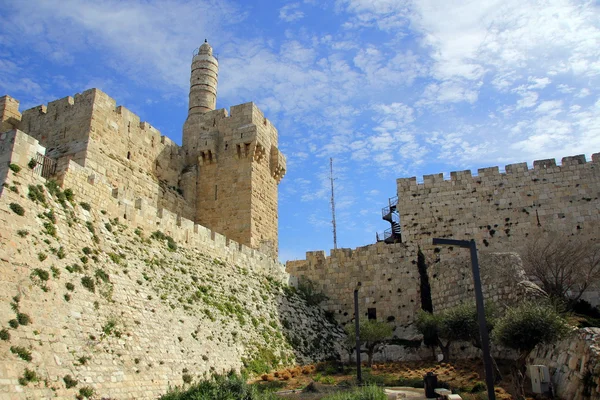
224	176
547	166
498	207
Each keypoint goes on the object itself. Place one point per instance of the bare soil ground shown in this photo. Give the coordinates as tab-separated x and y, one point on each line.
466	376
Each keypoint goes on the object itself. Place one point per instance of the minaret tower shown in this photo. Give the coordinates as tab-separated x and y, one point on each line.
202	100
232	163
203	81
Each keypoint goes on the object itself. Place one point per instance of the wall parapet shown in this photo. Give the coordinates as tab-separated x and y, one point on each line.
546	166
99	192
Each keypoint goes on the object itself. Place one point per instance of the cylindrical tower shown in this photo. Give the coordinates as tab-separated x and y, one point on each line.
203	81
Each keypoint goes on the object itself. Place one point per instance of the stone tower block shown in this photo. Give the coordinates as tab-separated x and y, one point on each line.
9	113
233	164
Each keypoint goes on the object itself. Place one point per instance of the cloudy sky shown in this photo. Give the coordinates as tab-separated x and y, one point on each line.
387	88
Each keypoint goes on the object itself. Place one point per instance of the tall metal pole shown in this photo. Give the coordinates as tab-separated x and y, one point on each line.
485	339
332	204
357	335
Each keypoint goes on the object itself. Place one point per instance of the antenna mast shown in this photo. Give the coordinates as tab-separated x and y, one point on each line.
332	204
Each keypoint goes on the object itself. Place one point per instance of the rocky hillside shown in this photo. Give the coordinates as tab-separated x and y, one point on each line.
91	304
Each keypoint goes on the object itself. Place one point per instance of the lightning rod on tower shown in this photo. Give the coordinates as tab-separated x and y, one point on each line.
332	204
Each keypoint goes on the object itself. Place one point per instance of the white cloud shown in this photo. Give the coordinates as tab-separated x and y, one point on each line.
290	12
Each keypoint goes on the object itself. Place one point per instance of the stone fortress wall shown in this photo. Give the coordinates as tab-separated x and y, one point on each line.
498	210
16	147
224	176
146	327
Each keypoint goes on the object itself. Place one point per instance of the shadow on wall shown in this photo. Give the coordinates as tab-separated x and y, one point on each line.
312	335
169	170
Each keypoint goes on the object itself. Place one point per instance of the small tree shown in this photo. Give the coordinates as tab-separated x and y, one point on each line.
524	327
459	323
372	335
565	264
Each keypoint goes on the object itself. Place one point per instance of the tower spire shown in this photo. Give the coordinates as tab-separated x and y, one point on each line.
203	81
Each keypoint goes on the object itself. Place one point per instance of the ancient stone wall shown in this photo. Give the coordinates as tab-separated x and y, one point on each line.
574	364
390	282
238	169
123	313
63	126
92	131
499	210
387	274
503	279
9	113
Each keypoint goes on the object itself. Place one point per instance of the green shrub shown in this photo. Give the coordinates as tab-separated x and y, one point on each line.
42	256
22	232
86	392
102	275
88	283
41	274
28	376
36	193
14	168
32	163
50	229
187	378
55	272
73	268
4	334
23	319
14	189
52	187
219	387
61	253
90	227
22	352
67	297
108	226
50	215
13	323
85	206
83	360
69	381
17	209
68	194
87	251
70	287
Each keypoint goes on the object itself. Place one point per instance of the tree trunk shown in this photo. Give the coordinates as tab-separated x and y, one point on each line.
445	350
519	375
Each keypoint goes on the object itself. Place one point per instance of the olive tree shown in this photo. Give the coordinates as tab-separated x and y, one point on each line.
372	335
458	323
524	327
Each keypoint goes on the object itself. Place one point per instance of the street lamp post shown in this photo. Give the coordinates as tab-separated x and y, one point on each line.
357	335
485	340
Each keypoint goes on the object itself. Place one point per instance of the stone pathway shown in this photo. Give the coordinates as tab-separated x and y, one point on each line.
405	393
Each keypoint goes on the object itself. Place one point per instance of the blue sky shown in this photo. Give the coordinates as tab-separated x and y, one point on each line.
388	88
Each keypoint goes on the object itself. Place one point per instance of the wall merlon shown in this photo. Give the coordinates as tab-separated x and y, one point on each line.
516	168
459	175
59	105
544	164
573	160
489	171
433	178
407	182
490	175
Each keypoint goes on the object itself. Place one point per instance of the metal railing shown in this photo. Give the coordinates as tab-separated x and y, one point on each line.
45	166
